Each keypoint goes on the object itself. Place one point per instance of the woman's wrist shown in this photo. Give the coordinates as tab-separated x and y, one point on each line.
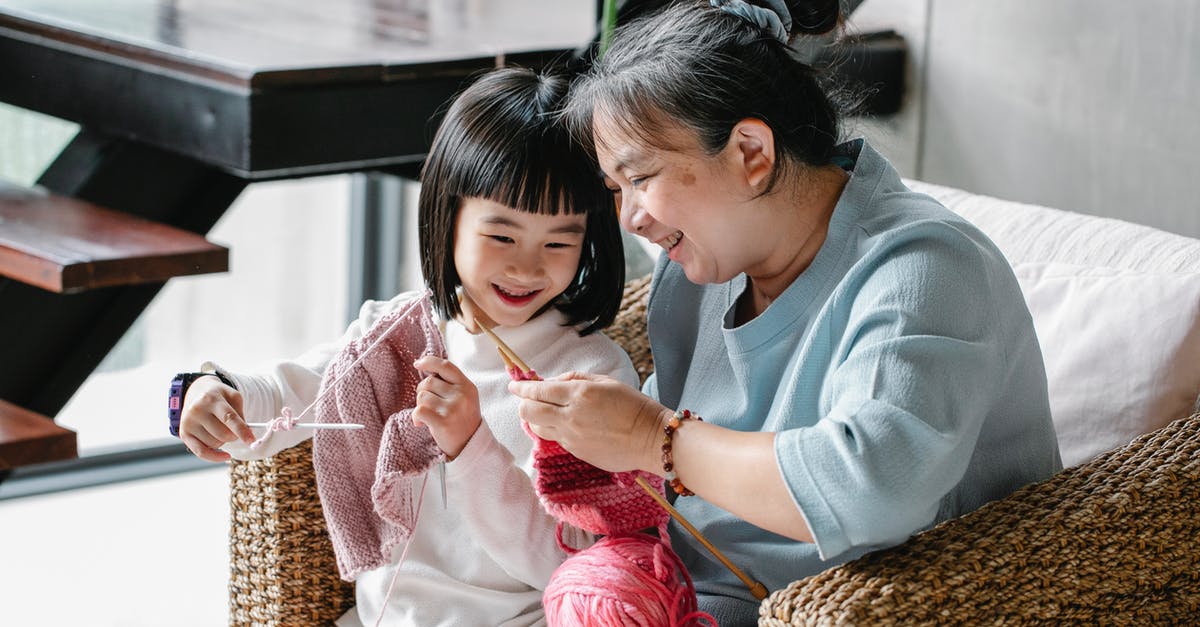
652	458
670	474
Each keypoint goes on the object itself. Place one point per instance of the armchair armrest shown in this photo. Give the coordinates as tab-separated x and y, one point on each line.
1115	540
282	568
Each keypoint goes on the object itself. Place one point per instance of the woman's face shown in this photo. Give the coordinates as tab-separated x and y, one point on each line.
512	263
682	199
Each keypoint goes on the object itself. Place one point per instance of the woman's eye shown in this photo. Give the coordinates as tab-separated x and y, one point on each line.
503	239
558	245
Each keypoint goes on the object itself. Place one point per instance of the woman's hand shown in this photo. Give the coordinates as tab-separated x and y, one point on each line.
447	403
212	416
598	419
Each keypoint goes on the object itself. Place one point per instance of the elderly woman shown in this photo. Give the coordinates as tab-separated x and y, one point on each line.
862	358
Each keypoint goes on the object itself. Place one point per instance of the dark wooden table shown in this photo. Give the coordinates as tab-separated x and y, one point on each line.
182	103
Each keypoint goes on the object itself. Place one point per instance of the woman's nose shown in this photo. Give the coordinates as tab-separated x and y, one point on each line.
633	218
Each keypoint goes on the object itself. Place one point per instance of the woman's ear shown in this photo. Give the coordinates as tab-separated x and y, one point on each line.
753	145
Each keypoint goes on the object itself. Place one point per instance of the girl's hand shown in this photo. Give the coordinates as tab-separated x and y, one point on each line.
447	403
597	418
212	416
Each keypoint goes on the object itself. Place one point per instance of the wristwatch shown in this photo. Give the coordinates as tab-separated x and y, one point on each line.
179	388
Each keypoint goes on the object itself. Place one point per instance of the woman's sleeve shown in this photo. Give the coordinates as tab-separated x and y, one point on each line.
911	379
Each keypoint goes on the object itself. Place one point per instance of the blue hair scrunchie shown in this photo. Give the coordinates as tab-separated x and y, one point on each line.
775	21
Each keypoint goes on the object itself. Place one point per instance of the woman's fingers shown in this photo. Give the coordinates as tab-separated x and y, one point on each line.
549	392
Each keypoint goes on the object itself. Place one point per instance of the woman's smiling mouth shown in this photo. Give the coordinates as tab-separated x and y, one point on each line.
671	240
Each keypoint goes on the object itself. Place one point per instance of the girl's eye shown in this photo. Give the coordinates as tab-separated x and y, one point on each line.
558	245
503	239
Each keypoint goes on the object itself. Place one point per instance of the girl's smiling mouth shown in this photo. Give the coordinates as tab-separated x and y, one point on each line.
515	297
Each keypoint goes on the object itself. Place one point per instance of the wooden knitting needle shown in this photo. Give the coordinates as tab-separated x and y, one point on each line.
757	589
508	353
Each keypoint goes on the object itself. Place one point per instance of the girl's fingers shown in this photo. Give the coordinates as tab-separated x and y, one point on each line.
438	387
203	450
233	421
440	368
214	433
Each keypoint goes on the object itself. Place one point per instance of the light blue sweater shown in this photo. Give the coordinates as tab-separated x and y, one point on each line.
900	371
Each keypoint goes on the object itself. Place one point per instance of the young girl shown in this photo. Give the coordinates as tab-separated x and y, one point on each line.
516	228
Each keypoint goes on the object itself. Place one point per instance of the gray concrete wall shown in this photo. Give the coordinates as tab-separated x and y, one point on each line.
1087	105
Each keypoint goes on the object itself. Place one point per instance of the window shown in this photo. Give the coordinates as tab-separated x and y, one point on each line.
286	291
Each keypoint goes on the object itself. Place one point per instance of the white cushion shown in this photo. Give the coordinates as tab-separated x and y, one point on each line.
1116	306
1033	233
1122	350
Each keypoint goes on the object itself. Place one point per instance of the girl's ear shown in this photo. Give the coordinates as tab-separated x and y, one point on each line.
753	146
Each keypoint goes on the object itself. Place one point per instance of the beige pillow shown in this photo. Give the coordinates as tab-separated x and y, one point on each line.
1122	350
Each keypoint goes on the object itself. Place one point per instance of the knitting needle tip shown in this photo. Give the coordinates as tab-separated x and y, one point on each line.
337	426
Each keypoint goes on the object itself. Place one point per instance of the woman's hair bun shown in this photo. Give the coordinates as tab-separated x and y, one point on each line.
814	17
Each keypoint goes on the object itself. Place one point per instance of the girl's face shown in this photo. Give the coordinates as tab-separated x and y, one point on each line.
683	200
512	263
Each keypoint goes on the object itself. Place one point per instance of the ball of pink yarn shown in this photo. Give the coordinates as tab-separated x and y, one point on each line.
623	581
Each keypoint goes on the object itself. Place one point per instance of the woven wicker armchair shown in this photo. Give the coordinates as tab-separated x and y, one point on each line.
1116	540
1113	541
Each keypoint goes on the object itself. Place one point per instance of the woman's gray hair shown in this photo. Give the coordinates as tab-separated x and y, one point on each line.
705	69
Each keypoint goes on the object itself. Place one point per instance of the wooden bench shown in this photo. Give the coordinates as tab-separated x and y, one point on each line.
65	245
30	438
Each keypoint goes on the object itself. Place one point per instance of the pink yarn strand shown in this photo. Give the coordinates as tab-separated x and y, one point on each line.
403	554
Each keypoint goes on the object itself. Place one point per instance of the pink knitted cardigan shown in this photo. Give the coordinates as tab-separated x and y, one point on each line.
368	478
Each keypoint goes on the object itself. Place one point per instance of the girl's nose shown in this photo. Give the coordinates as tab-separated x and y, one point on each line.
526	264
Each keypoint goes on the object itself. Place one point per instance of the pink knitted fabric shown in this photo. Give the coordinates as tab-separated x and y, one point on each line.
367	478
584	496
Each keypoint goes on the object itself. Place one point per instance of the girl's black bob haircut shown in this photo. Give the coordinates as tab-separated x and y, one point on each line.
503	140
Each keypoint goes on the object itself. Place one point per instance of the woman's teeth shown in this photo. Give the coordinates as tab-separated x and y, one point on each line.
671	240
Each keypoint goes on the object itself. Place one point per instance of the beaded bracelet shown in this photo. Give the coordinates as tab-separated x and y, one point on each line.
673	424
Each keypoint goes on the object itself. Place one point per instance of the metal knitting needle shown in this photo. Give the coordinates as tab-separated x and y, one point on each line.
337	426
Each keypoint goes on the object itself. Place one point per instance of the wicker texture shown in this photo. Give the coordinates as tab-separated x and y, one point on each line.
282	568
1115	541
629	328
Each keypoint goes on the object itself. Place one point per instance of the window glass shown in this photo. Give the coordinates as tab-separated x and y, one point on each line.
285	292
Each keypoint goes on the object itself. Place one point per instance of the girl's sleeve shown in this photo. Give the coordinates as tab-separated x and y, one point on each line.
503	509
294	384
911	380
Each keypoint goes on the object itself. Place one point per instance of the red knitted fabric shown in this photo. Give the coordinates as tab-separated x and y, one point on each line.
367	478
584	496
589	498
